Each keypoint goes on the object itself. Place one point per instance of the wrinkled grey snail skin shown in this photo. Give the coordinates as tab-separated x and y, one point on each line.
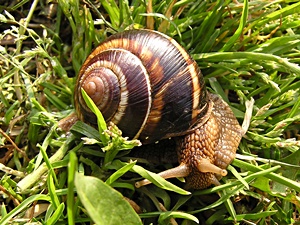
150	87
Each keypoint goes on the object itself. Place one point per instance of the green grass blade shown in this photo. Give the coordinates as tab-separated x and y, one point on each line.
58	213
31	199
120	172
100	119
228	45
158	180
72	168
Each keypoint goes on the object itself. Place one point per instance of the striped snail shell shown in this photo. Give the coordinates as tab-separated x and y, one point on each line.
145	81
149	86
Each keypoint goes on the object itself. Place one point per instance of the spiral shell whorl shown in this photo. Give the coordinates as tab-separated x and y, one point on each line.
121	94
158	92
92	86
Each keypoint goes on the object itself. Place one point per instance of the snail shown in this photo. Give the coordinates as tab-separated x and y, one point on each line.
150	87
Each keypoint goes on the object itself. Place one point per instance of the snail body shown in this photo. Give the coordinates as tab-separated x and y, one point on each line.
150	87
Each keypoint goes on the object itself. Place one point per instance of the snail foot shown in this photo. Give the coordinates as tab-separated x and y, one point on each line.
66	123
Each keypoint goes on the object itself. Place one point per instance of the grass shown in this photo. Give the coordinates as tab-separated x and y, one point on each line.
246	49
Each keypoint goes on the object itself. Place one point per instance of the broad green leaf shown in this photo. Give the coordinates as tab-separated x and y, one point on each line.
262	183
104	204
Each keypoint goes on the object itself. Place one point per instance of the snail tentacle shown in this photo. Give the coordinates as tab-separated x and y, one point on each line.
205	166
180	171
